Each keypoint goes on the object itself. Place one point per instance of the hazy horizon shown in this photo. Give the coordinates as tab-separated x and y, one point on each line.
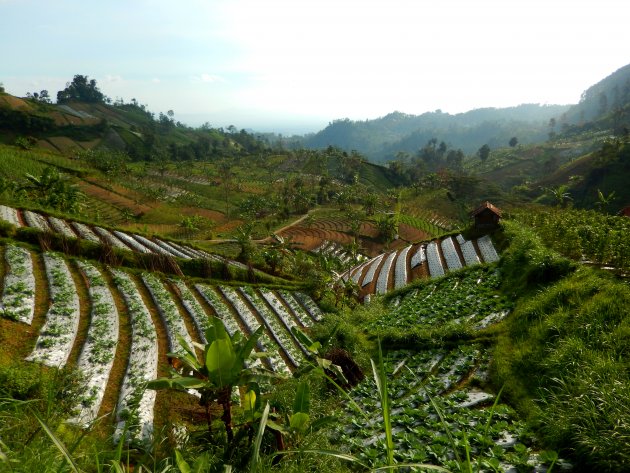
293	67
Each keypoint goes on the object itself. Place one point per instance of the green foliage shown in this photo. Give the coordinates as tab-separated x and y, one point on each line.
25	121
52	190
427	420
380	379
583	234
483	152
562	360
559	194
223	366
25	143
111	162
467	297
30	395
528	263
387	225
23	381
382	138
81	89
6	229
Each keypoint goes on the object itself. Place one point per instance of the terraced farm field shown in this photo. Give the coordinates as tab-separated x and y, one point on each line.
438	396
399	267
115	238
333	249
317	233
82	326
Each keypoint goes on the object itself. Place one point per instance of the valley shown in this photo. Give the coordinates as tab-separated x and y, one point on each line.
209	299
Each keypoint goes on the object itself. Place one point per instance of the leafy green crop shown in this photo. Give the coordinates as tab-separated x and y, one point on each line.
466	297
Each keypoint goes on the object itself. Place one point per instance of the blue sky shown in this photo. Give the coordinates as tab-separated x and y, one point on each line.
293	66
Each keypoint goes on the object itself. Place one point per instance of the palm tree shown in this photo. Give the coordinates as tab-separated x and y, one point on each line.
560	194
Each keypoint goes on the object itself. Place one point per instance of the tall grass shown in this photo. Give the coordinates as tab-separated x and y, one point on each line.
15	163
563	359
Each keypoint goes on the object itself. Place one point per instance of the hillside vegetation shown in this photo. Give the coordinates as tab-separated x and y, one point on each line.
176	299
382	138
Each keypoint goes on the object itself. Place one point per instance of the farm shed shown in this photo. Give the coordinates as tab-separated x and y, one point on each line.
486	216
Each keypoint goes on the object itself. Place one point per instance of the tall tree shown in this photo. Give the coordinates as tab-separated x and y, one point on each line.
81	89
42	96
484	152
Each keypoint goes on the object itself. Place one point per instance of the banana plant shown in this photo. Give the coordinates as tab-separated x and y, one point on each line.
222	366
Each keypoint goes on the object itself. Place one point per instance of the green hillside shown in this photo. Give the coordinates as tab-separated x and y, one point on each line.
382	138
178	299
76	125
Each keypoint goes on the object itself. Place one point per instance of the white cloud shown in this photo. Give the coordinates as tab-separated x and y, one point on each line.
207	78
113	78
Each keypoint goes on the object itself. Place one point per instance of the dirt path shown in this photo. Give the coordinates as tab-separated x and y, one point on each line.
280	230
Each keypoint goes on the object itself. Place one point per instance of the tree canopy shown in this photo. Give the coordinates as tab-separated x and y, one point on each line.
484	152
81	89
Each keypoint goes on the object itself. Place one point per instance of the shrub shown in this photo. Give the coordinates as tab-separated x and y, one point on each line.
25	143
6	229
528	263
22	381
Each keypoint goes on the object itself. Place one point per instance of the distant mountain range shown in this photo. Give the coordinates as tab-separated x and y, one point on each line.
382	138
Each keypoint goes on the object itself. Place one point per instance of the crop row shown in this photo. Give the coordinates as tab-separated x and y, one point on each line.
241	309
18	295
383	276
468	298
417	384
134	414
398	268
336	250
98	353
56	337
96	234
401	274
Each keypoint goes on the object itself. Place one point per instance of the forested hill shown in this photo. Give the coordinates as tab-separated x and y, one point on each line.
608	100
382	138
83	118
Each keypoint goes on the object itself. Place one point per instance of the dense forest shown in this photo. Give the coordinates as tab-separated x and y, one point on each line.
382	138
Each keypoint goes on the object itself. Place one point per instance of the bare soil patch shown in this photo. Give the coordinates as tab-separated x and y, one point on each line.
113	198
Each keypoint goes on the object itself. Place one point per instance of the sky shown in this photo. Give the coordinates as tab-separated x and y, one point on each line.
292	66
